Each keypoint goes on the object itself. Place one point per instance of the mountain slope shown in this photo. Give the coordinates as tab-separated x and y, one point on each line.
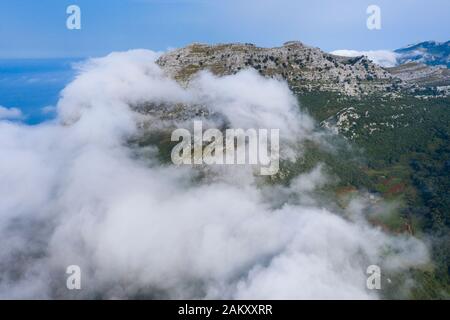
429	52
396	117
422	74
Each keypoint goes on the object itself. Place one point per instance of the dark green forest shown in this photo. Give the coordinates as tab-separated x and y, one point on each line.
407	160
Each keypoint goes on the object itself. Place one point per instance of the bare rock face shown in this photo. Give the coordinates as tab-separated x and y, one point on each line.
304	68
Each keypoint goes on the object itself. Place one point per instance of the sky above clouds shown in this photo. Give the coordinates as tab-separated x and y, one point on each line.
33	29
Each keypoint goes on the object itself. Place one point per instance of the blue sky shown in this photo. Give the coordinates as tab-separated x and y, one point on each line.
35	29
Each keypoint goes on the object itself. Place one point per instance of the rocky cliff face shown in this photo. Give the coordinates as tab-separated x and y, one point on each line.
304	68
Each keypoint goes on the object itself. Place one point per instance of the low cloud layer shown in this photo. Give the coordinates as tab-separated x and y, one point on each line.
75	192
384	58
10	113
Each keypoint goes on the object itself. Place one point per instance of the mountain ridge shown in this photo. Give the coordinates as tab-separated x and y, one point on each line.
431	52
305	68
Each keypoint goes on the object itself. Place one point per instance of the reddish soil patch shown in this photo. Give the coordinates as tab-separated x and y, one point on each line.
397	188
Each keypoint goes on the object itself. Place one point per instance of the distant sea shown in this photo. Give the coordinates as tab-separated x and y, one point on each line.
34	85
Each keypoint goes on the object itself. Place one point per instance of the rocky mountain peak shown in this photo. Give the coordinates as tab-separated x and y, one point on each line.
305	68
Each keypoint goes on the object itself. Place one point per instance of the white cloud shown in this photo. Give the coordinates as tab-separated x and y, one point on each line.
10	113
384	58
48	110
79	194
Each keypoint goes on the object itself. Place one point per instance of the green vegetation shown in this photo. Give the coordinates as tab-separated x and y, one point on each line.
397	148
406	143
